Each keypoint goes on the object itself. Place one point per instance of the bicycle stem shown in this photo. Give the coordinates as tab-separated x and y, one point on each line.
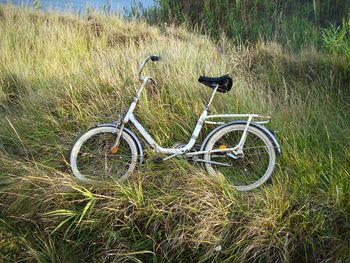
142	66
153	58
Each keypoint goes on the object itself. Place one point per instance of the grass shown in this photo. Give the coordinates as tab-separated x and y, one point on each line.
61	74
294	24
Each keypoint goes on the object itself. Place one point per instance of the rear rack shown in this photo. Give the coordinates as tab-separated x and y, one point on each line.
262	118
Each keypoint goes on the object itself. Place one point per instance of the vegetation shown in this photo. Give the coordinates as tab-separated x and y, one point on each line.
60	74
292	23
337	40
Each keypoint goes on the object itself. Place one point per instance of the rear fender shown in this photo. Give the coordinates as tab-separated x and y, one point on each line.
265	130
132	135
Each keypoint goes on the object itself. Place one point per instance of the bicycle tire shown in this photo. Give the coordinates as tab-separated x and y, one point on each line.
100	163
241	170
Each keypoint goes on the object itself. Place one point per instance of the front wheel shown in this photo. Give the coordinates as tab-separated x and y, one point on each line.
93	156
247	170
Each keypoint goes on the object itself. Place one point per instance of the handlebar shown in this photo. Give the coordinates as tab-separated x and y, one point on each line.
153	58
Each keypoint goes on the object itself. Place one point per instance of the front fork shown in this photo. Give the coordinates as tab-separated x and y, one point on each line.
126	119
115	147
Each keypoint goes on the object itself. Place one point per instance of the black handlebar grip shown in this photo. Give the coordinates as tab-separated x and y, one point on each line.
155	58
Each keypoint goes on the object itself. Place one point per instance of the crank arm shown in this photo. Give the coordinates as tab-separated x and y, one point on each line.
211	162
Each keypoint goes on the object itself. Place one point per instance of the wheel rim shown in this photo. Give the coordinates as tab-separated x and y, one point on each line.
95	158
246	172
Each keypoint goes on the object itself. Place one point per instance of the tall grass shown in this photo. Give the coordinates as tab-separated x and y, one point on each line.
60	74
295	24
337	41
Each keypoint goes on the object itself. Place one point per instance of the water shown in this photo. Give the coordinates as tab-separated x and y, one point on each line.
81	5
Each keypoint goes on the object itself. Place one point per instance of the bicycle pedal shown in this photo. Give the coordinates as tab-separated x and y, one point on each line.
157	160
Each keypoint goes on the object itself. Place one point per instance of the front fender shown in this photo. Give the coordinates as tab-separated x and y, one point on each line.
132	135
268	132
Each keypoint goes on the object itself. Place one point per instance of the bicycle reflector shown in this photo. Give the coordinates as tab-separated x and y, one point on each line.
222	147
114	149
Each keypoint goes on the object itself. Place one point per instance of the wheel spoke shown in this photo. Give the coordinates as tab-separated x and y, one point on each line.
95	159
245	170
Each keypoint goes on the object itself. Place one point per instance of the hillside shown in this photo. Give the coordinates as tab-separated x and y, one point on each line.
61	74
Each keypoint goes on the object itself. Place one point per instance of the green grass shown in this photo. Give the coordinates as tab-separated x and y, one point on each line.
60	74
293	23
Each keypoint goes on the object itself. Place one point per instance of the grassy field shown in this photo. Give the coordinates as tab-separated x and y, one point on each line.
60	74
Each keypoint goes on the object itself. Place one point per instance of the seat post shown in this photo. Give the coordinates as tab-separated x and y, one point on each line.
212	97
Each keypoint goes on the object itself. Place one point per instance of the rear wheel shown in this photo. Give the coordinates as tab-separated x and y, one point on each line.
93	156
245	171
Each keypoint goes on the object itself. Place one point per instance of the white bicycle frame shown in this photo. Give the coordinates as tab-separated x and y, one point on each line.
203	118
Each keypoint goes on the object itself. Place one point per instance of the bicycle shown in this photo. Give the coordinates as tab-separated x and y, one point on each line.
244	151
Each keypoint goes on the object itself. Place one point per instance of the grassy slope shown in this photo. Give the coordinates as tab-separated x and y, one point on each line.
61	74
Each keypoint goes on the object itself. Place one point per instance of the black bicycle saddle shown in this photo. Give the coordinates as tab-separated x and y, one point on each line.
224	82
